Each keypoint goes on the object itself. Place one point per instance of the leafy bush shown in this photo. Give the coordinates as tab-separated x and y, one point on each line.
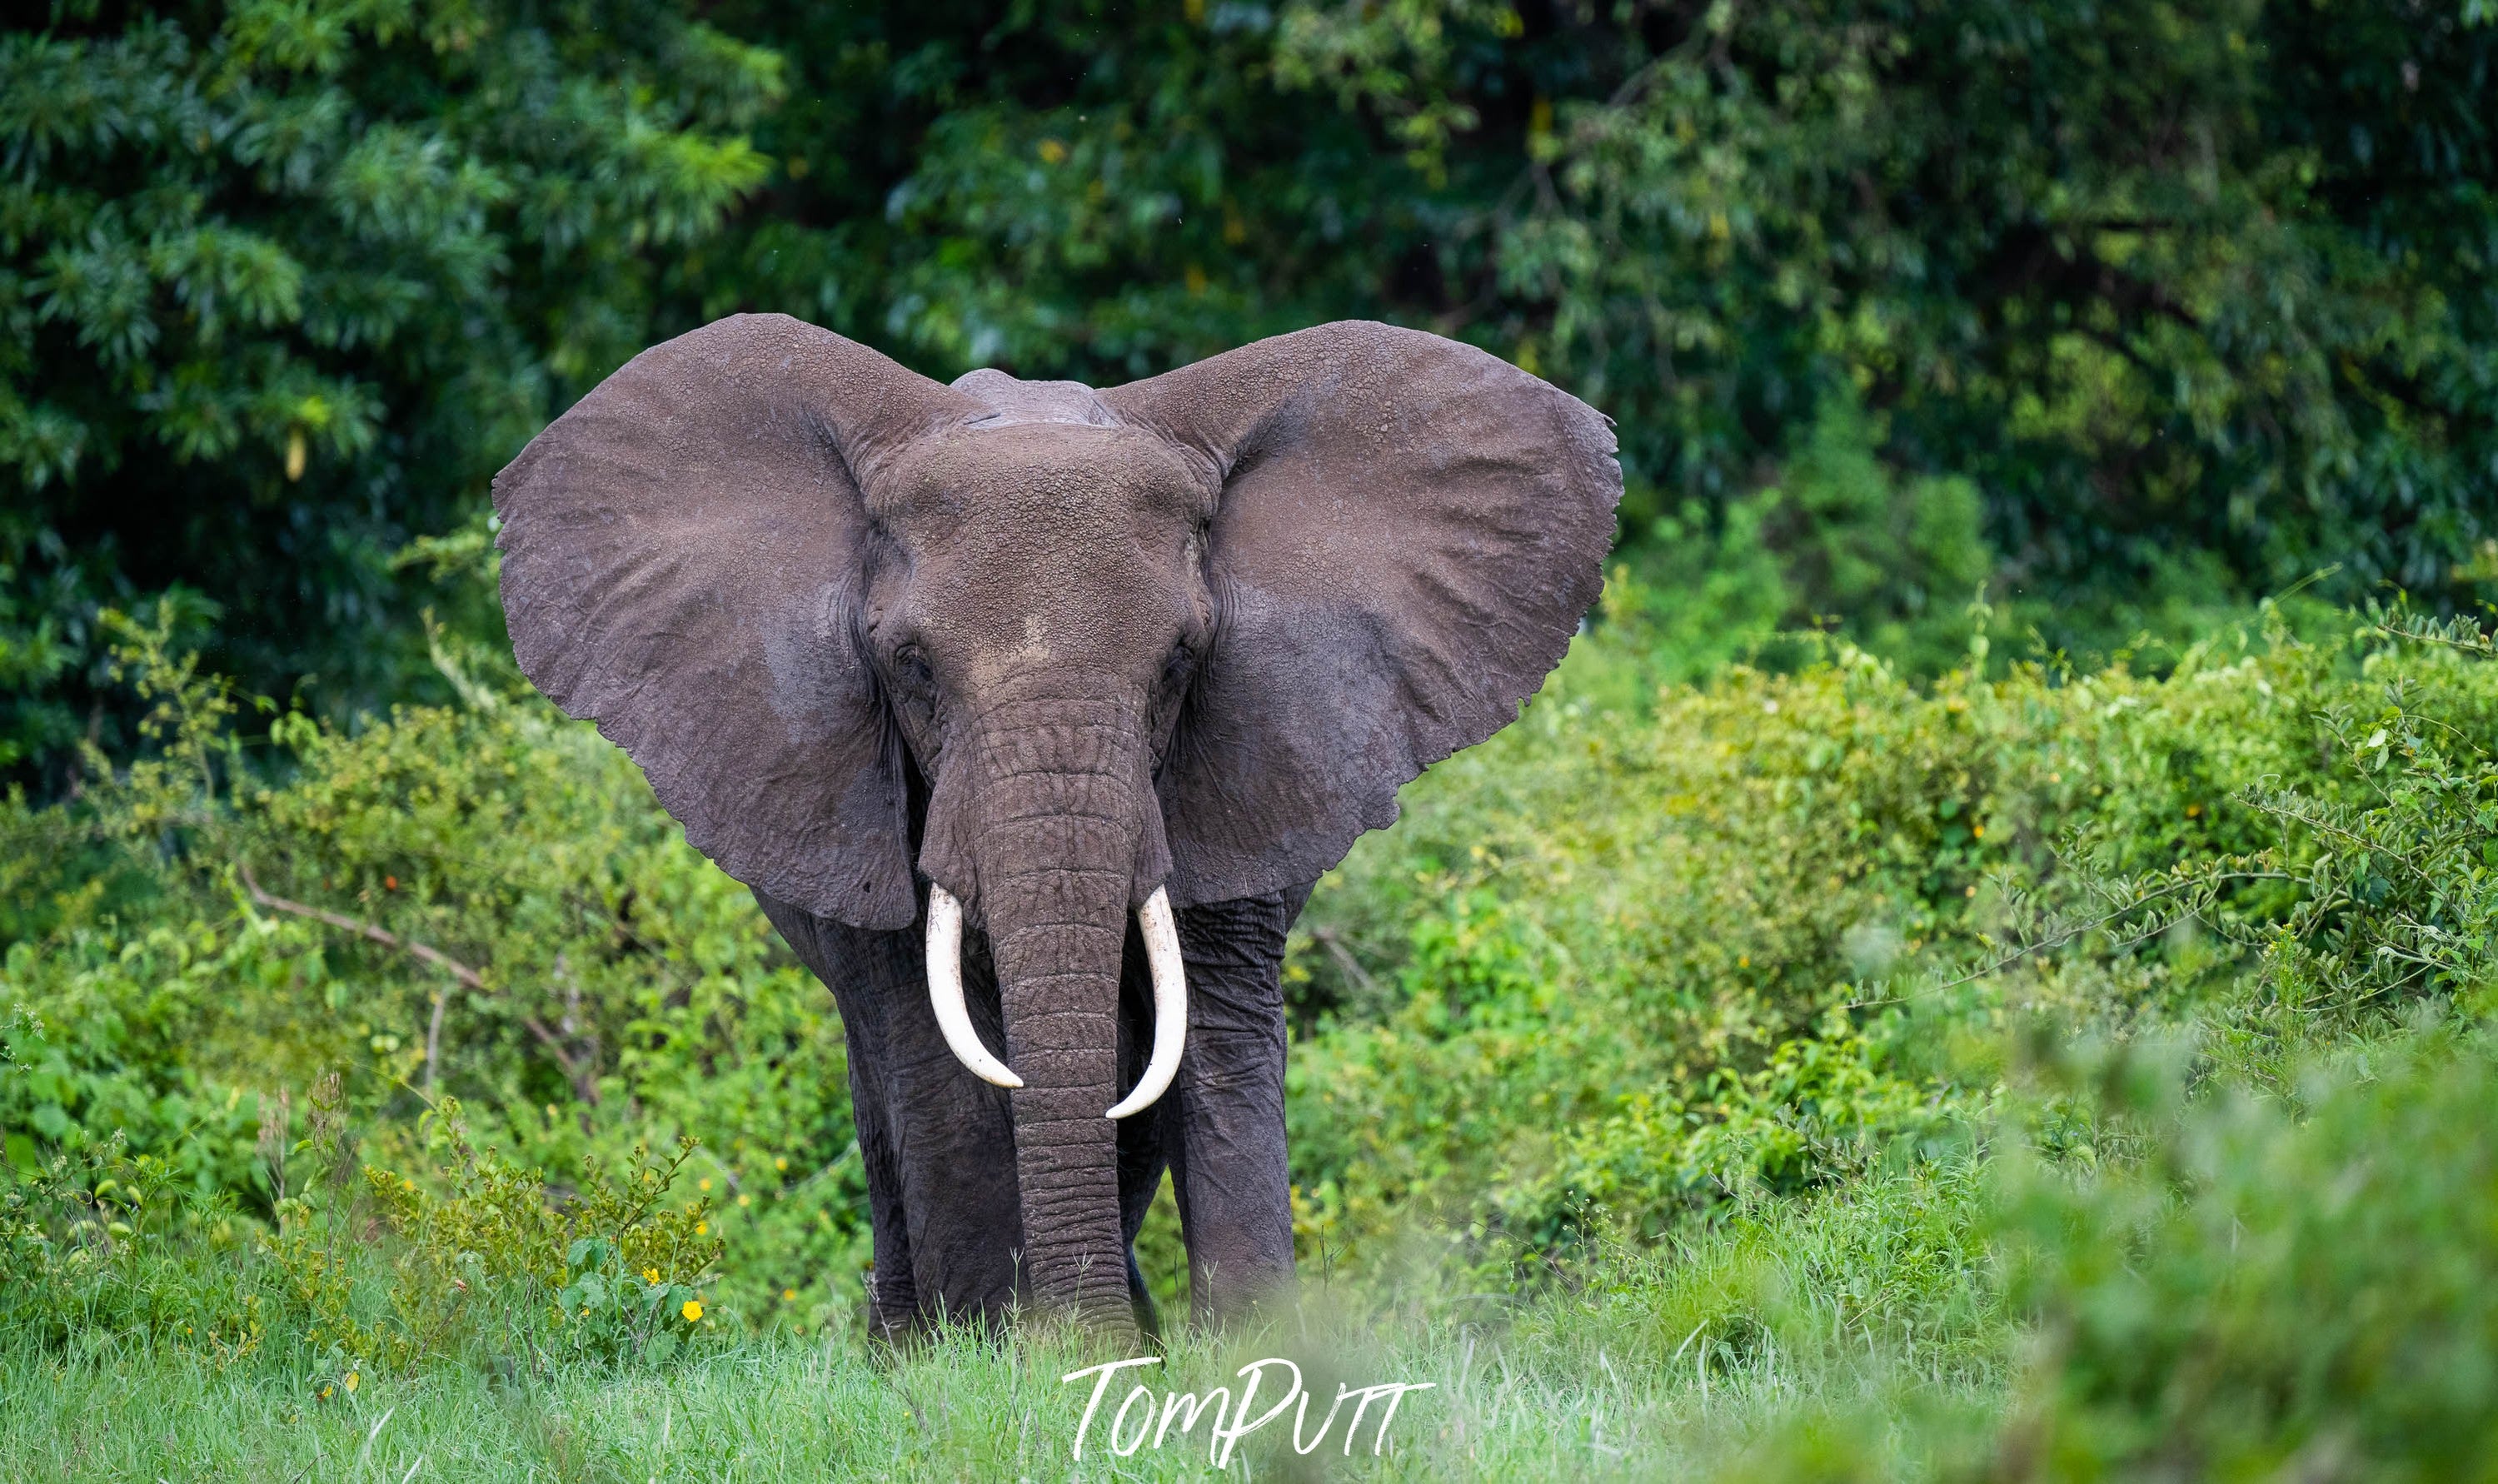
1838	540
481	901
97	1241
2045	1075
484	1257
1658	956
2272	1283
1647	950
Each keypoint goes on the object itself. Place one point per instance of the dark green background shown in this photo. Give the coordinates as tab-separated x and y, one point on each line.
2130	310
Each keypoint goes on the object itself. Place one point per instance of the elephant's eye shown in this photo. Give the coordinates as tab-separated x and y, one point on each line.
910	667
1181	665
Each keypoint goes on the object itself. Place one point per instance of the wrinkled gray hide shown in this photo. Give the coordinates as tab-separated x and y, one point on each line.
1052	649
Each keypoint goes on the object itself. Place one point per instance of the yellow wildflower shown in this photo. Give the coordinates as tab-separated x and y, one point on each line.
788	1295
351	1381
650	1274
692	1309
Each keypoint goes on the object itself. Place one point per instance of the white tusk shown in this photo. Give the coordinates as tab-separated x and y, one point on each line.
1170	1003
945	989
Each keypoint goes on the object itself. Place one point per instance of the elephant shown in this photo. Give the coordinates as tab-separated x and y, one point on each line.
1030	711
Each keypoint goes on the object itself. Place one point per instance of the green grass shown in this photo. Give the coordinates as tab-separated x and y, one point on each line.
2146	1269
1651	1363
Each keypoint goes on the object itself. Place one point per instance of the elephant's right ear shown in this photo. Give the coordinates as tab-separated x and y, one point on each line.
683	550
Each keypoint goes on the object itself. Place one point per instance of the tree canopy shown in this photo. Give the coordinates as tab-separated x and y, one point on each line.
2190	297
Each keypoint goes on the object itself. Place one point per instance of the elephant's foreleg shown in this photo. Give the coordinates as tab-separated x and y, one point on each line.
936	1142
1224	1120
893	1295
1143	1143
858	967
957	1150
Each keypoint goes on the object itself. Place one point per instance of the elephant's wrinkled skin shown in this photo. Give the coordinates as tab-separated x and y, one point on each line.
1052	651
947	1227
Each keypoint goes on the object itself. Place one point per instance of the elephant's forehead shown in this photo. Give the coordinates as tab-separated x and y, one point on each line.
1012	401
1040	543
1036	481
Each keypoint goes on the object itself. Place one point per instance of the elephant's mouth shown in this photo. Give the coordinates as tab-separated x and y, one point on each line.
1162	955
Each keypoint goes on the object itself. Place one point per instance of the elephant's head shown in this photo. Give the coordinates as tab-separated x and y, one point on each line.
1063	654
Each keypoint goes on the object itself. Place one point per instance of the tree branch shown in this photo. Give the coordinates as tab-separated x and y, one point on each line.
2060	938
362	928
584	1084
1326	939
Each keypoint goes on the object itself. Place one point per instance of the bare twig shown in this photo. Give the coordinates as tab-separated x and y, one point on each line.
1326	939
583	1083
2059	939
571	1023
362	928
433	1037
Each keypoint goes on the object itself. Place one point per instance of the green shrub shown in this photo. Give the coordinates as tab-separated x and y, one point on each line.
1630	961
484	1260
1838	540
99	1242
481	902
1653	956
2269	1285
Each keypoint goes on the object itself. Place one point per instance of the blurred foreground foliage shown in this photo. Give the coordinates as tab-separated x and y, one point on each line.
2283	1278
2133	310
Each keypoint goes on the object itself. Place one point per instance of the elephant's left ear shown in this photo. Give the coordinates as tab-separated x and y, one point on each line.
1408	532
683	556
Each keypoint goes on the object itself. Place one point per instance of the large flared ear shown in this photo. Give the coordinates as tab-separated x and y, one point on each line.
682	551
1408	533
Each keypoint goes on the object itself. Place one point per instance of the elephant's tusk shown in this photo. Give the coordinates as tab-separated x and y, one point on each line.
945	989
1170	1003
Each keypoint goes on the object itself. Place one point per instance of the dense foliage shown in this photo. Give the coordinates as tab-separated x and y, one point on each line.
479	899
2131	306
1649	951
1653	966
284	285
1990	1079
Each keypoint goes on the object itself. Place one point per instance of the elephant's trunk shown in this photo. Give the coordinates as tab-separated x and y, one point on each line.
1053	825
